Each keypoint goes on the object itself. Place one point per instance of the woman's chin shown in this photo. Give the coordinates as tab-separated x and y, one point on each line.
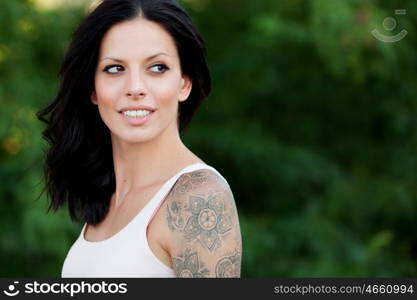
134	138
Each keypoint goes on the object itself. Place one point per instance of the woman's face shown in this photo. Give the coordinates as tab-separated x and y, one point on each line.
138	81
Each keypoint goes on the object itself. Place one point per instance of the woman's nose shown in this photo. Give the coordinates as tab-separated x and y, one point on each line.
136	87
135	93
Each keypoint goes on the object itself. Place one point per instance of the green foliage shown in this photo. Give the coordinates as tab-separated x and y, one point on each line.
311	120
32	44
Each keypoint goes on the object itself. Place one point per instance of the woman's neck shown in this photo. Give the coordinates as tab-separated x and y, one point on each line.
143	164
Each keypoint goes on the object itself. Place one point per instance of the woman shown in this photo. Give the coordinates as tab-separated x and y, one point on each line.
133	76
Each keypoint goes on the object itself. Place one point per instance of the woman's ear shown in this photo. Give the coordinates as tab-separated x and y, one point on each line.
186	85
94	97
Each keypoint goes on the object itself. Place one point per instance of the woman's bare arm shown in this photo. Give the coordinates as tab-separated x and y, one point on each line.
202	217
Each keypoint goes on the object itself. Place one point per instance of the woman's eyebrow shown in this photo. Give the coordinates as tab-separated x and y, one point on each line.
146	59
155	55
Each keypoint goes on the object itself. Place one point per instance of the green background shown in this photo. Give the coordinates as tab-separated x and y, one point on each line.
311	120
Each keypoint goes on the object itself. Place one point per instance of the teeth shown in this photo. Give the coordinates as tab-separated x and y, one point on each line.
136	113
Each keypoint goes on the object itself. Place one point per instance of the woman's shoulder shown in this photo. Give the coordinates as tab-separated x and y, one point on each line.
202	219
201	181
200	195
198	171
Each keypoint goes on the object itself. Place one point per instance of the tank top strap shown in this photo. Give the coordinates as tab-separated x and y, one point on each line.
152	207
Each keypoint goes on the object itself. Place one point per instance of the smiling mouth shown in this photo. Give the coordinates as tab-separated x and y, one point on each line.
137	117
136	113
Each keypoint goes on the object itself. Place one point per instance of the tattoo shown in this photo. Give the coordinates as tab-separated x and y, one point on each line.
208	221
202	218
229	266
189	181
189	266
201	209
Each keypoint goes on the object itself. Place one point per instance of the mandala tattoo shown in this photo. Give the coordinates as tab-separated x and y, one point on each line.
208	219
229	266
185	184
189	266
204	213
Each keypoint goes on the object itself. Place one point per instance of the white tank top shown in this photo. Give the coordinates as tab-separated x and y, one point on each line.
126	253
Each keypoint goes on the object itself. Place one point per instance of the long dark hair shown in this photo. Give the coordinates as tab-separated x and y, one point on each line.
79	167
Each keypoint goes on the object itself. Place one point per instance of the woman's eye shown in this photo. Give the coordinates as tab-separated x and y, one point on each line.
159	68
114	69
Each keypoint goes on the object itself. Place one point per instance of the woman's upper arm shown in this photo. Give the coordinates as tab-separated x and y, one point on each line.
201	214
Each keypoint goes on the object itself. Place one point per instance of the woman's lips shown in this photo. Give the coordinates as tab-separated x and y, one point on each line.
138	120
